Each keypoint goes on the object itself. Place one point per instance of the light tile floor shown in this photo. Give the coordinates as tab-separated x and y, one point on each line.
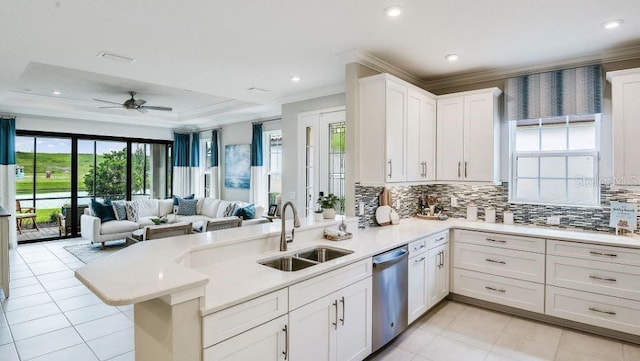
53	316
458	332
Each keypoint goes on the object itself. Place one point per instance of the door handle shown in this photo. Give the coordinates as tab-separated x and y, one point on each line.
458	169
390	168
442	264
342	319
335	324
286	342
465	169
419	260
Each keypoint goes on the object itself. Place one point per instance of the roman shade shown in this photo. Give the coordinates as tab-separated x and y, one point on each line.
576	91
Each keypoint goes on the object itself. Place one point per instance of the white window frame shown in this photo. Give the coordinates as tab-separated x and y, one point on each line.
513	163
266	151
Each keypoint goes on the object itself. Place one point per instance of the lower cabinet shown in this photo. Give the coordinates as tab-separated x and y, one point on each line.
428	274
266	342
417	301
334	327
438	274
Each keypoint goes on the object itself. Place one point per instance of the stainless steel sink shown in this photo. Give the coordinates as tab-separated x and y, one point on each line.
323	254
305	258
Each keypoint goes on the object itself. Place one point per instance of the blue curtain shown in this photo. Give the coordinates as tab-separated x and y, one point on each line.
195	150
575	91
214	149
256	146
180	150
8	141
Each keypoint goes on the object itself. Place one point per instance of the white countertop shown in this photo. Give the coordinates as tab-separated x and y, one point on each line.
149	270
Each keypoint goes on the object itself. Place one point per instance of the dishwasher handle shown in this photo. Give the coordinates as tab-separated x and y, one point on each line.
390	258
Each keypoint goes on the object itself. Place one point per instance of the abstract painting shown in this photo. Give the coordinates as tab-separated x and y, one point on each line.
237	169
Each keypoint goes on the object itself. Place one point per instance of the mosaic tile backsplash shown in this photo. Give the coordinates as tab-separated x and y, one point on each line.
584	218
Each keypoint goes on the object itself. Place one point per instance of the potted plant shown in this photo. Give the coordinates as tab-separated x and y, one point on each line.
318	215
328	203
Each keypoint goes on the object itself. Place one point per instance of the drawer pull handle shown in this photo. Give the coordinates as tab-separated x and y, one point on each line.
494	261
343	305
286	343
335	324
495	240
602	278
495	289
601	311
420	247
419	260
440	239
603	254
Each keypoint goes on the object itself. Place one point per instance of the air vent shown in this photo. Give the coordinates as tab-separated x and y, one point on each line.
115	57
259	90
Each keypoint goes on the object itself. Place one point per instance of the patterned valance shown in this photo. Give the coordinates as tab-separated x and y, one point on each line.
575	91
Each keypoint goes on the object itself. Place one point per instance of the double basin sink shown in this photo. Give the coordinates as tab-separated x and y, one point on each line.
305	258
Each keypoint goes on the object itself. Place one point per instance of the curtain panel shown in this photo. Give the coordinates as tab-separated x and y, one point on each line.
181	165
8	173
258	193
576	91
194	160
215	165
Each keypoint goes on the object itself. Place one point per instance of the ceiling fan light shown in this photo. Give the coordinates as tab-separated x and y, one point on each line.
452	57
394	11
612	24
295	78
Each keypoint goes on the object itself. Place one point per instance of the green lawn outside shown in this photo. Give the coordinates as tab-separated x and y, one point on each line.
59	164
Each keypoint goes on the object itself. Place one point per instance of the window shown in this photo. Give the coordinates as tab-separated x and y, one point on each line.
273	150
205	167
555	161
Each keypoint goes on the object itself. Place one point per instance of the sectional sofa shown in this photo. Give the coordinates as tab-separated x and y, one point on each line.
93	229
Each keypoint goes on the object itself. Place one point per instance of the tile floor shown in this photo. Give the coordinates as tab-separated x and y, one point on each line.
457	332
52	316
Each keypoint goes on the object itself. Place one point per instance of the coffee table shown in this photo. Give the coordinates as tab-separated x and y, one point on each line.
138	234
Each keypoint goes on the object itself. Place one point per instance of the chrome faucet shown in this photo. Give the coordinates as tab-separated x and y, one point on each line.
296	223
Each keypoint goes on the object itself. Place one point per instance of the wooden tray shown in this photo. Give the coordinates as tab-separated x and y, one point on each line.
422	216
340	238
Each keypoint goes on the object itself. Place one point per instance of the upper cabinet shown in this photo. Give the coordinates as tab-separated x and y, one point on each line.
468	137
397	131
625	93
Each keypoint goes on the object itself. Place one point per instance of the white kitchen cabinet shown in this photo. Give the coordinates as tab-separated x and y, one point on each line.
397	131
266	342
625	111
334	327
438	274
468	136
417	301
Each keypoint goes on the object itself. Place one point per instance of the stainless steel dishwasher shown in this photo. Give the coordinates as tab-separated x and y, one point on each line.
390	283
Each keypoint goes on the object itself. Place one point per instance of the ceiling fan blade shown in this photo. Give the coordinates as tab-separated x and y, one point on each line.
142	110
111	107
166	109
140	102
106	101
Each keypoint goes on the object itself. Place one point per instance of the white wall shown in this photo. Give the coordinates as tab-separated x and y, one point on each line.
291	175
77	126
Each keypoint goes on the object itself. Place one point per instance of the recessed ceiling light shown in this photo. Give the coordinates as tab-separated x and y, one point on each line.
259	90
56	92
452	57
115	57
295	78
394	10
612	24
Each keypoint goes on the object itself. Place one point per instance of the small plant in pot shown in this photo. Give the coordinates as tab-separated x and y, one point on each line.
318	215
328	203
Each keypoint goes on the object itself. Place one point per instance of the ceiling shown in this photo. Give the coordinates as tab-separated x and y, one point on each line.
202	58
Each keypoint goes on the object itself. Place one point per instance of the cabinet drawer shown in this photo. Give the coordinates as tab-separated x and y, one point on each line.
594	252
594	276
239	318
527	266
598	310
501	241
418	246
312	289
506	291
437	239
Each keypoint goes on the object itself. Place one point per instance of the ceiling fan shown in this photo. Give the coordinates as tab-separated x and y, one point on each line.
134	104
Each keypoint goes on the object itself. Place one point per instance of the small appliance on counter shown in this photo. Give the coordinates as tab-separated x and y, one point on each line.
472	213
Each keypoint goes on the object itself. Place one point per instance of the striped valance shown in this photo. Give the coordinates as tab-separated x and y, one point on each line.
575	91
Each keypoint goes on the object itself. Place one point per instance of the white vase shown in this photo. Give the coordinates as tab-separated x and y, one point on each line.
318	217
329	213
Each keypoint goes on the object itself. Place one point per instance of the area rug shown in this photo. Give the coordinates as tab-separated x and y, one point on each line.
88	252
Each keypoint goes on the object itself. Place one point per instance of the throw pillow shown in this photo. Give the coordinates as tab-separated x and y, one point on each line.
104	211
247	212
120	210
230	210
132	210
187	207
177	199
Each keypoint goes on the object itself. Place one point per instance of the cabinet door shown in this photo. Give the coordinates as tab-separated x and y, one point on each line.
478	137
421	126
450	138
428	138
313	330
265	342
626	128
354	317
417	297
438	274
396	115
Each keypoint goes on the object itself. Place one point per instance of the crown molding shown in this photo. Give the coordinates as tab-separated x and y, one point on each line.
601	57
377	64
214	109
312	94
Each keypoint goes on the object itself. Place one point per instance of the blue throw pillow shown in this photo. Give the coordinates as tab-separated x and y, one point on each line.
104	211
247	212
176	199
187	207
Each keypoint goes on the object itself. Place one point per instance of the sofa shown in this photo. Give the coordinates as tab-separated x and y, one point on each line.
93	229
